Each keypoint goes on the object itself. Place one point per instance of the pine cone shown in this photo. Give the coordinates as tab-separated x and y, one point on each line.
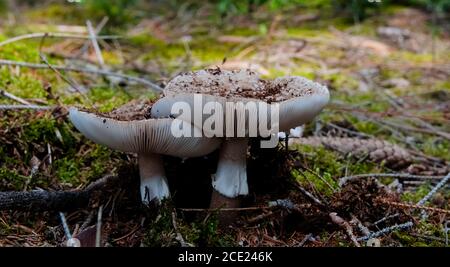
393	155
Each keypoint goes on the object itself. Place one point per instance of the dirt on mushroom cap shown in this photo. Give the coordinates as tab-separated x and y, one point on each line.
131	111
242	84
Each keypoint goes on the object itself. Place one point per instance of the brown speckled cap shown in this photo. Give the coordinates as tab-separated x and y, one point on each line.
300	99
240	84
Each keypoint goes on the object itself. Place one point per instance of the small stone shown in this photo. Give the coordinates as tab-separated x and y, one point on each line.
73	242
373	242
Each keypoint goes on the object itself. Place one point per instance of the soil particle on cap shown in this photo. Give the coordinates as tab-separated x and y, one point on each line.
243	84
131	111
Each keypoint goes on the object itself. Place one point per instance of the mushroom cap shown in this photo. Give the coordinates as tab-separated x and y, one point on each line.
141	136
299	99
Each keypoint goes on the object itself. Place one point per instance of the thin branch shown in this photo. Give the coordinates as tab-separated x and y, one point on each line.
412	206
54	35
41	200
346	226
68	80
98	28
308	194
97	50
360	134
98	234
386	218
13	97
260	217
418	130
82	70
320	177
11	107
387	230
306	239
298	206
434	190
346	179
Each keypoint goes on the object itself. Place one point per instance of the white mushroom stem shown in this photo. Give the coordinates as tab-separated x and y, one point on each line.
153	179
230	179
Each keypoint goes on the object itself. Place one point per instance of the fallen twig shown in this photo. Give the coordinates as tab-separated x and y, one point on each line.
306	239
54	35
270	205
386	218
434	190
361	227
81	70
98	28
6	107
319	177
40	200
386	230
260	217
346	179
98	233
346	226
93	36
412	206
15	98
68	80
309	195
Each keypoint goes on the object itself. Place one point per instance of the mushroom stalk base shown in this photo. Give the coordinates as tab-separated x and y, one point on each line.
154	184
231	177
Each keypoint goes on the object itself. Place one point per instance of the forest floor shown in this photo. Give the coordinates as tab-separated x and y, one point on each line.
389	80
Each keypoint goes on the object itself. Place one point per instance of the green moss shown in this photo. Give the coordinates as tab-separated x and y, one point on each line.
416	196
20	51
340	81
325	164
199	233
209	50
414	58
57	13
307	32
107	98
145	40
67	170
425	229
99	161
11	179
24	85
170	52
242	32
329	166
437	148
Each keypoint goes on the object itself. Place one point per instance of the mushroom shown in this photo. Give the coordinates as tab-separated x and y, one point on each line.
298	101
132	131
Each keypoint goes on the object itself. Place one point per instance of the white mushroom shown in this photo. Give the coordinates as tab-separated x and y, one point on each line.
149	138
299	101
